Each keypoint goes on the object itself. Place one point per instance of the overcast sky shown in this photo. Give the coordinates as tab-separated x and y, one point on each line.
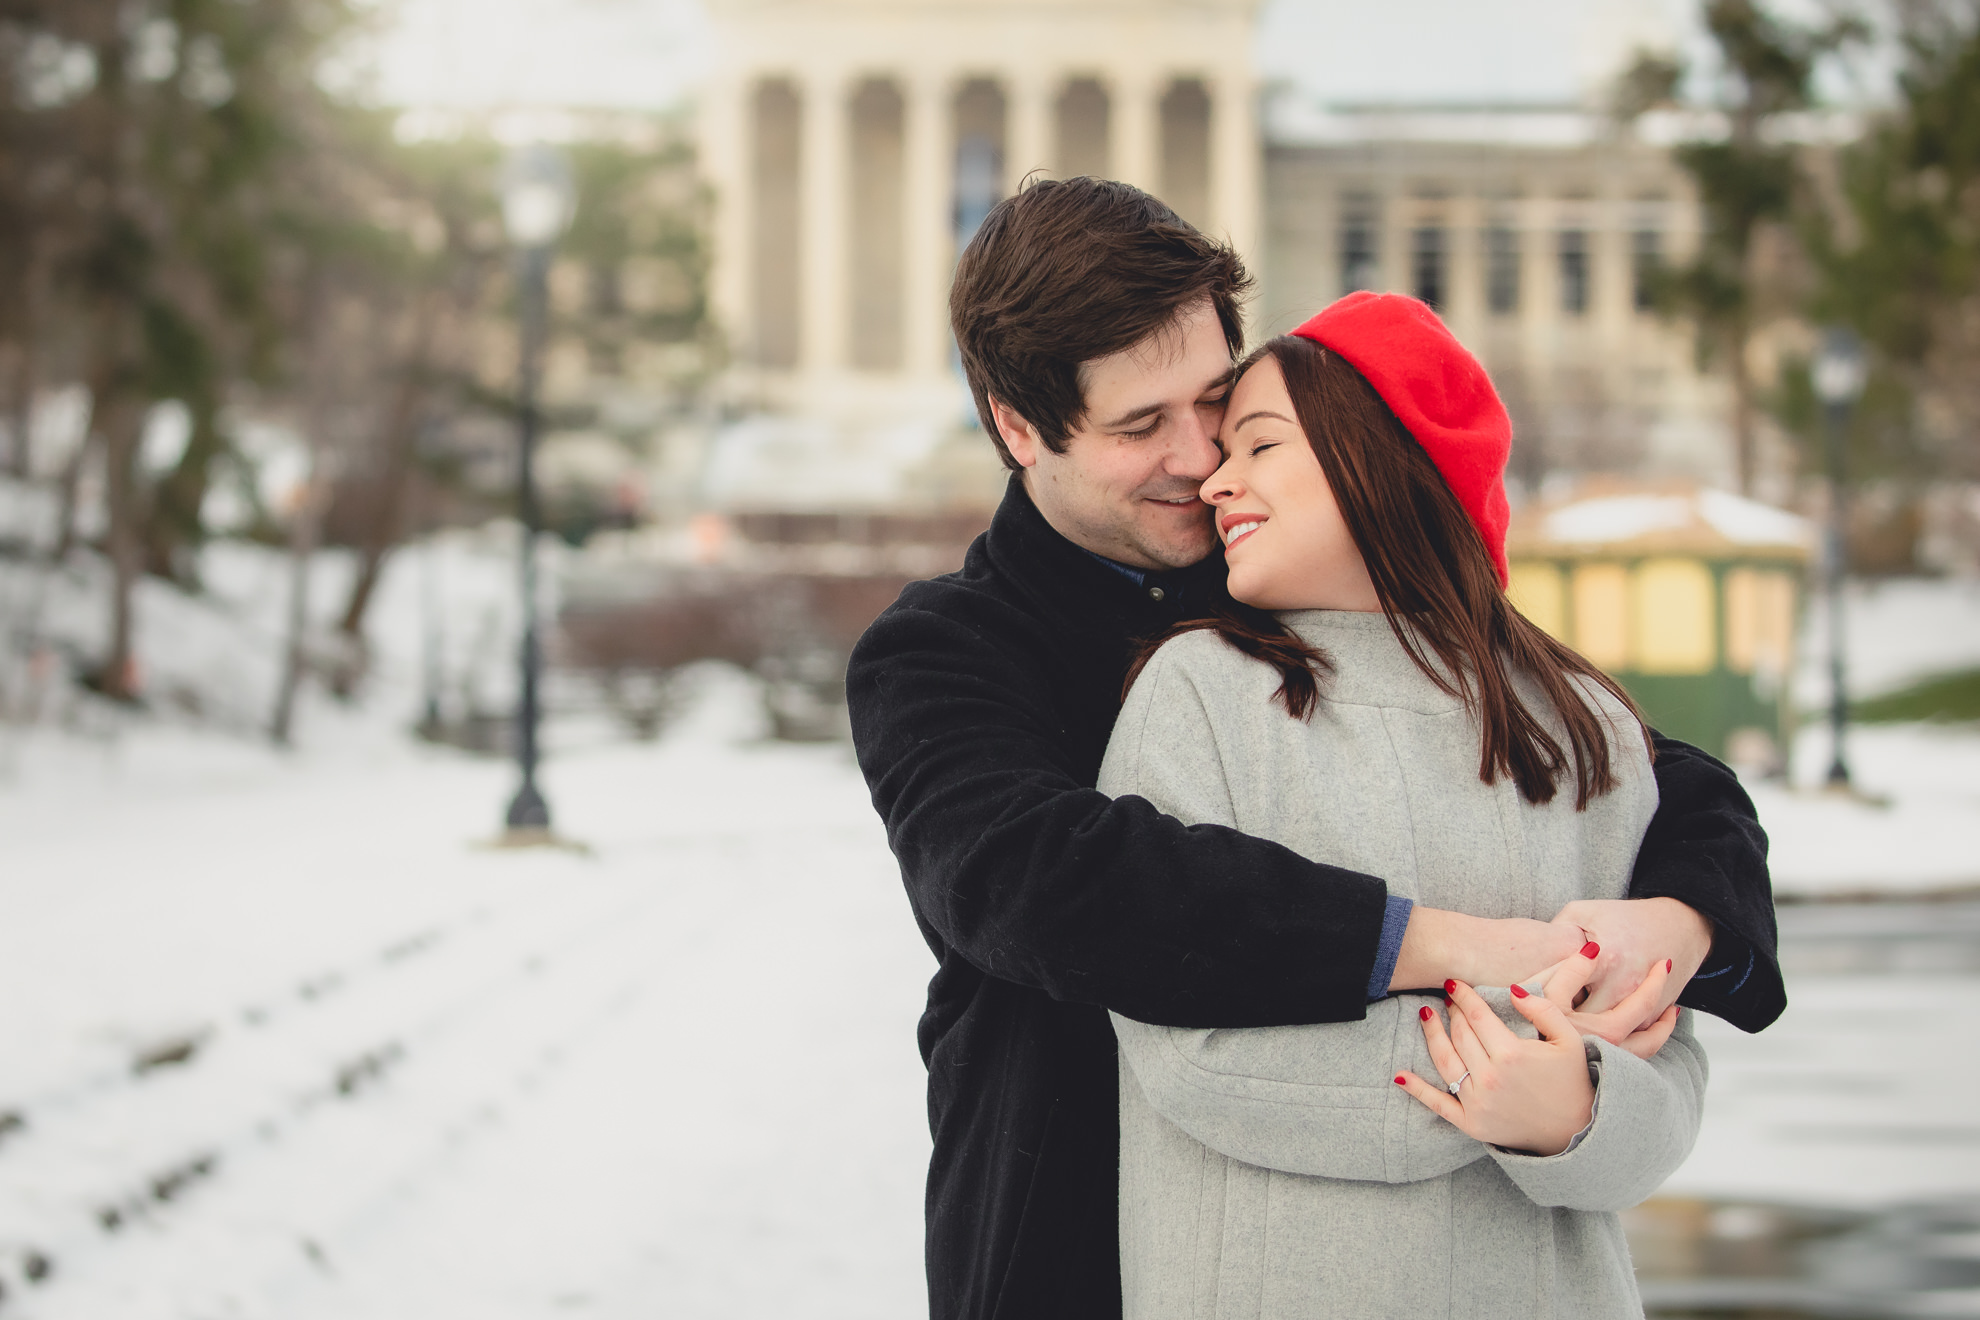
644	53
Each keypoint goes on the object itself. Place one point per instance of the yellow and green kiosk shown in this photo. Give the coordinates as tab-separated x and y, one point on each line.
1688	596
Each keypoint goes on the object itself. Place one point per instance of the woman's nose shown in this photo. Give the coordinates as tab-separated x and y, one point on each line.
1220	487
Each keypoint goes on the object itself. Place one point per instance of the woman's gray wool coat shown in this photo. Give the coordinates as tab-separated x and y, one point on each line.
1279	1171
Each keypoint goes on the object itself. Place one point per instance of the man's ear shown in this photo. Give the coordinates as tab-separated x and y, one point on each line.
1020	436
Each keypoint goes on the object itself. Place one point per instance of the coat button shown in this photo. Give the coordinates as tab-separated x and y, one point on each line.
1156	593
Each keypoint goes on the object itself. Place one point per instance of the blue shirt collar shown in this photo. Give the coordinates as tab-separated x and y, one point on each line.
1135	575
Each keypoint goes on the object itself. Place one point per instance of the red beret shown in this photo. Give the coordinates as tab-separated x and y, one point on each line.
1437	389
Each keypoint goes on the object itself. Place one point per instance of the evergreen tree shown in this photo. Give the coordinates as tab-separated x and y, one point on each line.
1747	180
1896	254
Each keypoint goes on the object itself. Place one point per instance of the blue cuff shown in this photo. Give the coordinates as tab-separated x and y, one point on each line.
1394	922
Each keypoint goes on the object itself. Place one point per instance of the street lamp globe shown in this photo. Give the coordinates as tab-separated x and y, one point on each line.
539	196
1838	371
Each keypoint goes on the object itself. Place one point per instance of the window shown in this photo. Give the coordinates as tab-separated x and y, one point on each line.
1646	260
1574	271
1501	270
1426	265
1360	252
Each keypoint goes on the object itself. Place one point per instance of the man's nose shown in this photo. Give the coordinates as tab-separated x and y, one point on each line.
1196	455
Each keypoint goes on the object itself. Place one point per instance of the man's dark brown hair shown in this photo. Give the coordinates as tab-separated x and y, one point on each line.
1069	271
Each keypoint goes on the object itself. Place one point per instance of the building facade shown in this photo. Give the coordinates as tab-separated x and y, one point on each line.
1538	233
854	145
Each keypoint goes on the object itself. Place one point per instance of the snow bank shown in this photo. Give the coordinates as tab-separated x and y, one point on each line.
284	1038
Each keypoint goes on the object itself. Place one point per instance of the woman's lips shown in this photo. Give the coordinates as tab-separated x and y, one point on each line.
1237	528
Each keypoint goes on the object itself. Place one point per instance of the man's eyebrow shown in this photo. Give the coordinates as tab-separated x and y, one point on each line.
1150	409
1262	412
1134	415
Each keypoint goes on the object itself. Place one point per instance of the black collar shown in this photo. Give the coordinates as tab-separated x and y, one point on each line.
1079	588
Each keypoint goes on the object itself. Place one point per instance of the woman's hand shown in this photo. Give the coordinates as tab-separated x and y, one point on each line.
1635	1023
1530	1095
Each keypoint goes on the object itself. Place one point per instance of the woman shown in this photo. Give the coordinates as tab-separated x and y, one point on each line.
1374	700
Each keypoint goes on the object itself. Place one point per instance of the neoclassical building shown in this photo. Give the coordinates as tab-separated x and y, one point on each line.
852	146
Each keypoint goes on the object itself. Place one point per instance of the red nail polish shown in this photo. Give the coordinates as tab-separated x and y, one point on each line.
1449	1002
1667	964
1590	950
1401	1082
1450	987
1519	992
1423	1013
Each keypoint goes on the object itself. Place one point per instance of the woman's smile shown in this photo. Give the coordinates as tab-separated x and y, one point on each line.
1236	526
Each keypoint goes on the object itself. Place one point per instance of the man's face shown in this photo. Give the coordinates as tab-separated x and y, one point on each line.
1127	485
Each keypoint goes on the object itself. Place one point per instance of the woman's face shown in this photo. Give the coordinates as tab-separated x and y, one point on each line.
1286	543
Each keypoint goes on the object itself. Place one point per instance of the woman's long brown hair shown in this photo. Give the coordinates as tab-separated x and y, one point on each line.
1438	587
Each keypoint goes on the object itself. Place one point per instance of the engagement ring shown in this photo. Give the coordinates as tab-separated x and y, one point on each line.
1453	1087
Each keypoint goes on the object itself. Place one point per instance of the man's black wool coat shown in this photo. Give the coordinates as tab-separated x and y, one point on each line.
981	705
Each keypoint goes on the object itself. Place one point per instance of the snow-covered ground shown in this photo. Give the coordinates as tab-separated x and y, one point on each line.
673	1074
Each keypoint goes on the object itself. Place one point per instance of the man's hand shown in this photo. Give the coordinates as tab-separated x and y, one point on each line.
1636	935
1635	1024
1439	946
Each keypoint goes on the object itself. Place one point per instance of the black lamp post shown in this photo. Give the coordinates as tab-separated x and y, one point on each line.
538	198
1837	373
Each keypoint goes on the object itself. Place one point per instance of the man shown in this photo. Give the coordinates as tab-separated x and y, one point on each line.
1097	331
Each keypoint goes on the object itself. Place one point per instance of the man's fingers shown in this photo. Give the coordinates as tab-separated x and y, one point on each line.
1640	1006
1648	1041
1439	1101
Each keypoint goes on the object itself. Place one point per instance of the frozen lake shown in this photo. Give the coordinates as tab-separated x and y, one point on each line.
281	1037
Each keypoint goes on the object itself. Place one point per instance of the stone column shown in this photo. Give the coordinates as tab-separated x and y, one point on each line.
929	188
1236	164
1029	145
1464	297
824	166
725	149
1134	121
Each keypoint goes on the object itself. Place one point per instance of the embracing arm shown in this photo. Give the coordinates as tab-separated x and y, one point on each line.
1647	1113
1614	1125
1705	849
1040	879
